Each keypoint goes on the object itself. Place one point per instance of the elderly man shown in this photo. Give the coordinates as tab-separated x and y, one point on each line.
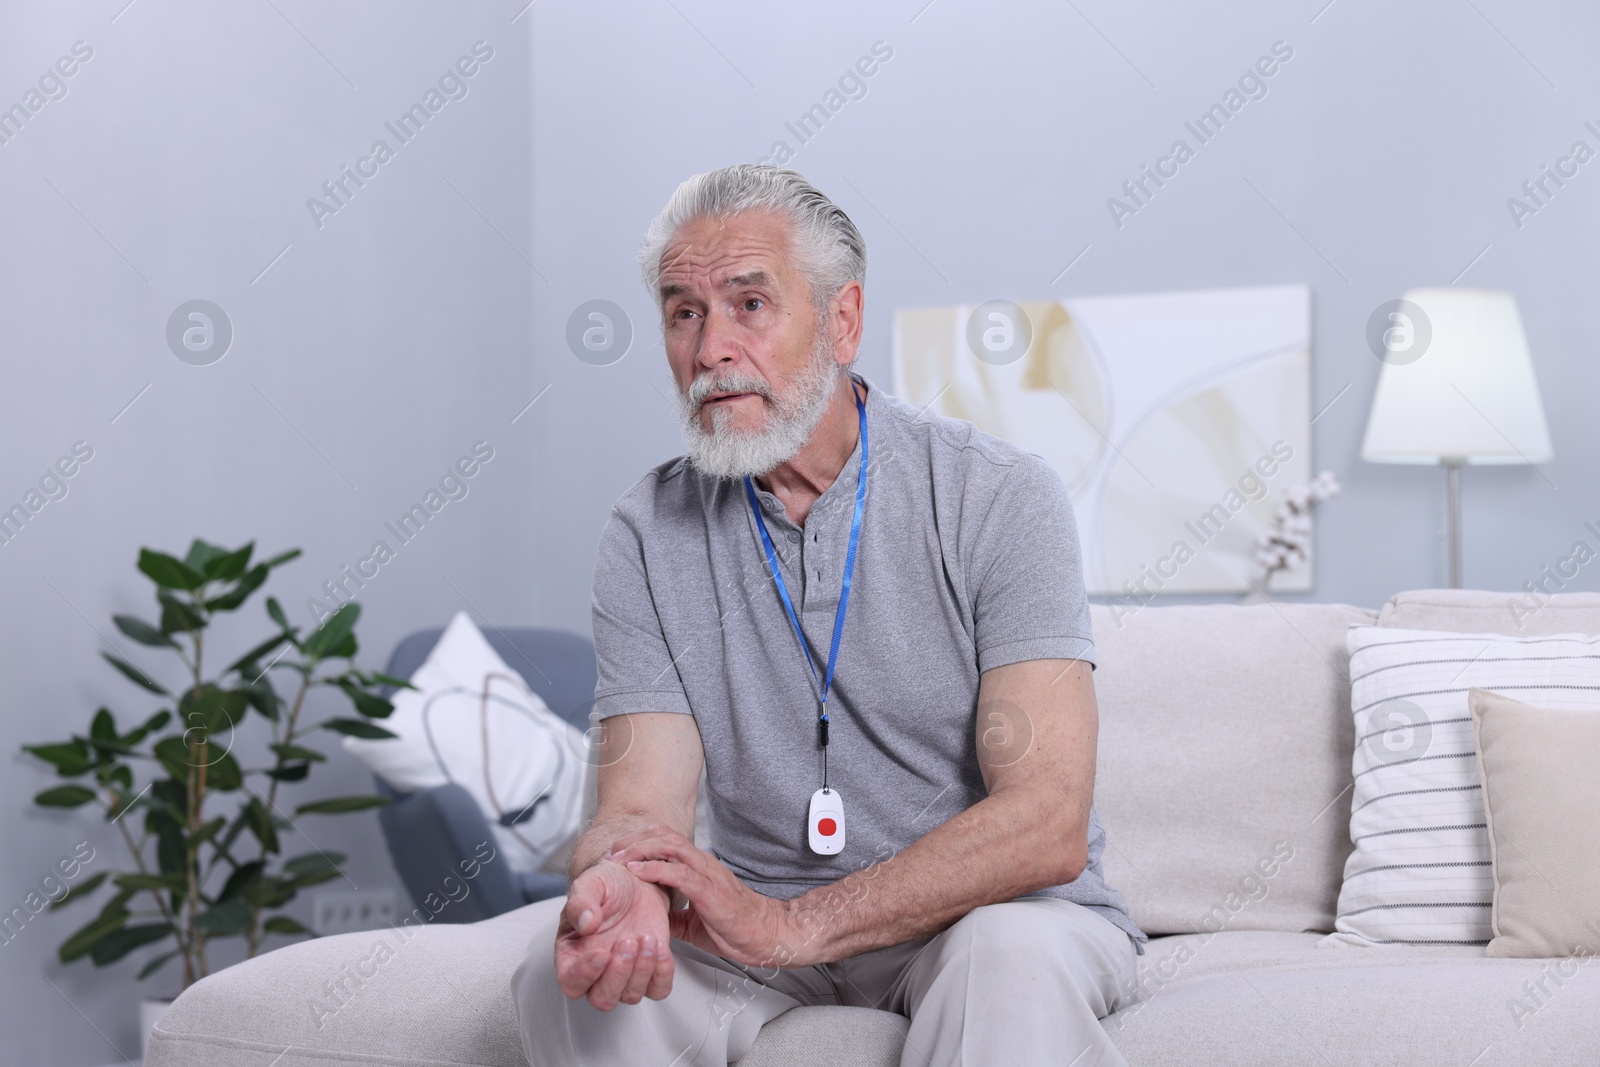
867	625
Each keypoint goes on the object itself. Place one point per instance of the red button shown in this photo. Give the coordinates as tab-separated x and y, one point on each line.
826	827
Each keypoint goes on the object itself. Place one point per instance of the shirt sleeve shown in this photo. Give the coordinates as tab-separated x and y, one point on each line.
1025	573
636	672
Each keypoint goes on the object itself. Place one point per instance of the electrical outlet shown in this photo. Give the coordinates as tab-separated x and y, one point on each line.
346	911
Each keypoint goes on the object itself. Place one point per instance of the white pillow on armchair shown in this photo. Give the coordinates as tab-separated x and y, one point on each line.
472	720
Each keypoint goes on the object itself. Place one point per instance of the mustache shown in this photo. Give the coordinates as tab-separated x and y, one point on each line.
731	382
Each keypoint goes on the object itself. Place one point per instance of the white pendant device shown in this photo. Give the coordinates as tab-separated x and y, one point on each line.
826	822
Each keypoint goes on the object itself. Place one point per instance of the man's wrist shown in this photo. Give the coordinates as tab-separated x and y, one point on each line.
804	939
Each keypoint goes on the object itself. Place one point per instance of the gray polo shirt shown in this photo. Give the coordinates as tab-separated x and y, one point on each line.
968	560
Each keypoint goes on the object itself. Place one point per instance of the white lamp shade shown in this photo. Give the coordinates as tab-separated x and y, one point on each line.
1470	396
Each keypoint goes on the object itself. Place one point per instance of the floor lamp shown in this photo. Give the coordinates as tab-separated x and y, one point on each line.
1456	387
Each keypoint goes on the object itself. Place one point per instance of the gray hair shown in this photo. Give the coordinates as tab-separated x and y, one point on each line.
830	250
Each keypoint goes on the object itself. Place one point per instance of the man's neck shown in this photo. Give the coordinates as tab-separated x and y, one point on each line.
799	482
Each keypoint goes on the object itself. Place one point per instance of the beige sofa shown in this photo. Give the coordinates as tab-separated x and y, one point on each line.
1224	785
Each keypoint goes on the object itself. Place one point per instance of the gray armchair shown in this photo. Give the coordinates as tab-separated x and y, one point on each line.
431	832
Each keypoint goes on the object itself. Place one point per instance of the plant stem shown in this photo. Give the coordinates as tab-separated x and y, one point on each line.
255	936
137	849
197	798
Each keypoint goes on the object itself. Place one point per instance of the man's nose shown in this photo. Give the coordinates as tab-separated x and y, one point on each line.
719	341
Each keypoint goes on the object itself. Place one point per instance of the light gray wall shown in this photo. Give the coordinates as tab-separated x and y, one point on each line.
377	350
412	324
979	164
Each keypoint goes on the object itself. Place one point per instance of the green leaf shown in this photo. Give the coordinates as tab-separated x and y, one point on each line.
81	890
202	553
226	919
292	772
260	822
249	659
297	752
327	639
178	616
241	591
156	964
229	565
336	805
170	853
358	728
275	609
273	893
157	721
373	707
244	878
283	557
70	758
118	943
210	711
169	572
313	863
282	924
84	938
142	631
172	881
169	797
116	905
173	753
134	674
207	830
64	796
222	772
103	727
263	697
379	678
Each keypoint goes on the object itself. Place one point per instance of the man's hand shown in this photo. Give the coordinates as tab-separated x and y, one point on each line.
612	942
724	915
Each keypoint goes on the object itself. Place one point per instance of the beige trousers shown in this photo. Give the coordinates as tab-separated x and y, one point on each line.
1019	984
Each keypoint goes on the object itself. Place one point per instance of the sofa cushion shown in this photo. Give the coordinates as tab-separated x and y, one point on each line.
433	995
1264	999
1541	799
1480	611
1224	769
1233	999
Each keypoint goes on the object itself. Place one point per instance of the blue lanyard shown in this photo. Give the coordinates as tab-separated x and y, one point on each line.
826	683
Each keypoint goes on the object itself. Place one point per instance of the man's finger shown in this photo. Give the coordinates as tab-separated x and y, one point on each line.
661	830
688	881
585	906
608	988
661	848
577	969
661	980
644	969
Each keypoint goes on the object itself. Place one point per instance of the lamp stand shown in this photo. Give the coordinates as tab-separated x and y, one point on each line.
1453	466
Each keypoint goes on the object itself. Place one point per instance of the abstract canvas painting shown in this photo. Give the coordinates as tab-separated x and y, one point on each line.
1176	420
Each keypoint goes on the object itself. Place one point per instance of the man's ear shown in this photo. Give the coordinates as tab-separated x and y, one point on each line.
846	312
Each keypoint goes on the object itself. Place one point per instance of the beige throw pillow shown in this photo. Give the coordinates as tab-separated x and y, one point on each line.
1541	795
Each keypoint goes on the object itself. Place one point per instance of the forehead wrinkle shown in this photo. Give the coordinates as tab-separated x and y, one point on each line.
722	270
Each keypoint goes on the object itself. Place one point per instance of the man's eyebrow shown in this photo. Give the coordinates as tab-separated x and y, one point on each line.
753	277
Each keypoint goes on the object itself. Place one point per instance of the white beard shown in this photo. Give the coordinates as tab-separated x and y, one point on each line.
727	452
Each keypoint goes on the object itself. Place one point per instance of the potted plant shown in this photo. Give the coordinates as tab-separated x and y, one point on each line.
204	831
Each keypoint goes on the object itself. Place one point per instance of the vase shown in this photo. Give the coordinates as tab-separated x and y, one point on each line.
151	1009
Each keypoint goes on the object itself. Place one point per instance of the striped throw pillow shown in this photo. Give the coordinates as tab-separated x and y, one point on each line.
1421	872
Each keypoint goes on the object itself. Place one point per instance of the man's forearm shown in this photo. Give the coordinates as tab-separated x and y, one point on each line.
605	831
1005	845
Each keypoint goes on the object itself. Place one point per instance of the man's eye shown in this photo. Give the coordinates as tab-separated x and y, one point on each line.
753	304
684	313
